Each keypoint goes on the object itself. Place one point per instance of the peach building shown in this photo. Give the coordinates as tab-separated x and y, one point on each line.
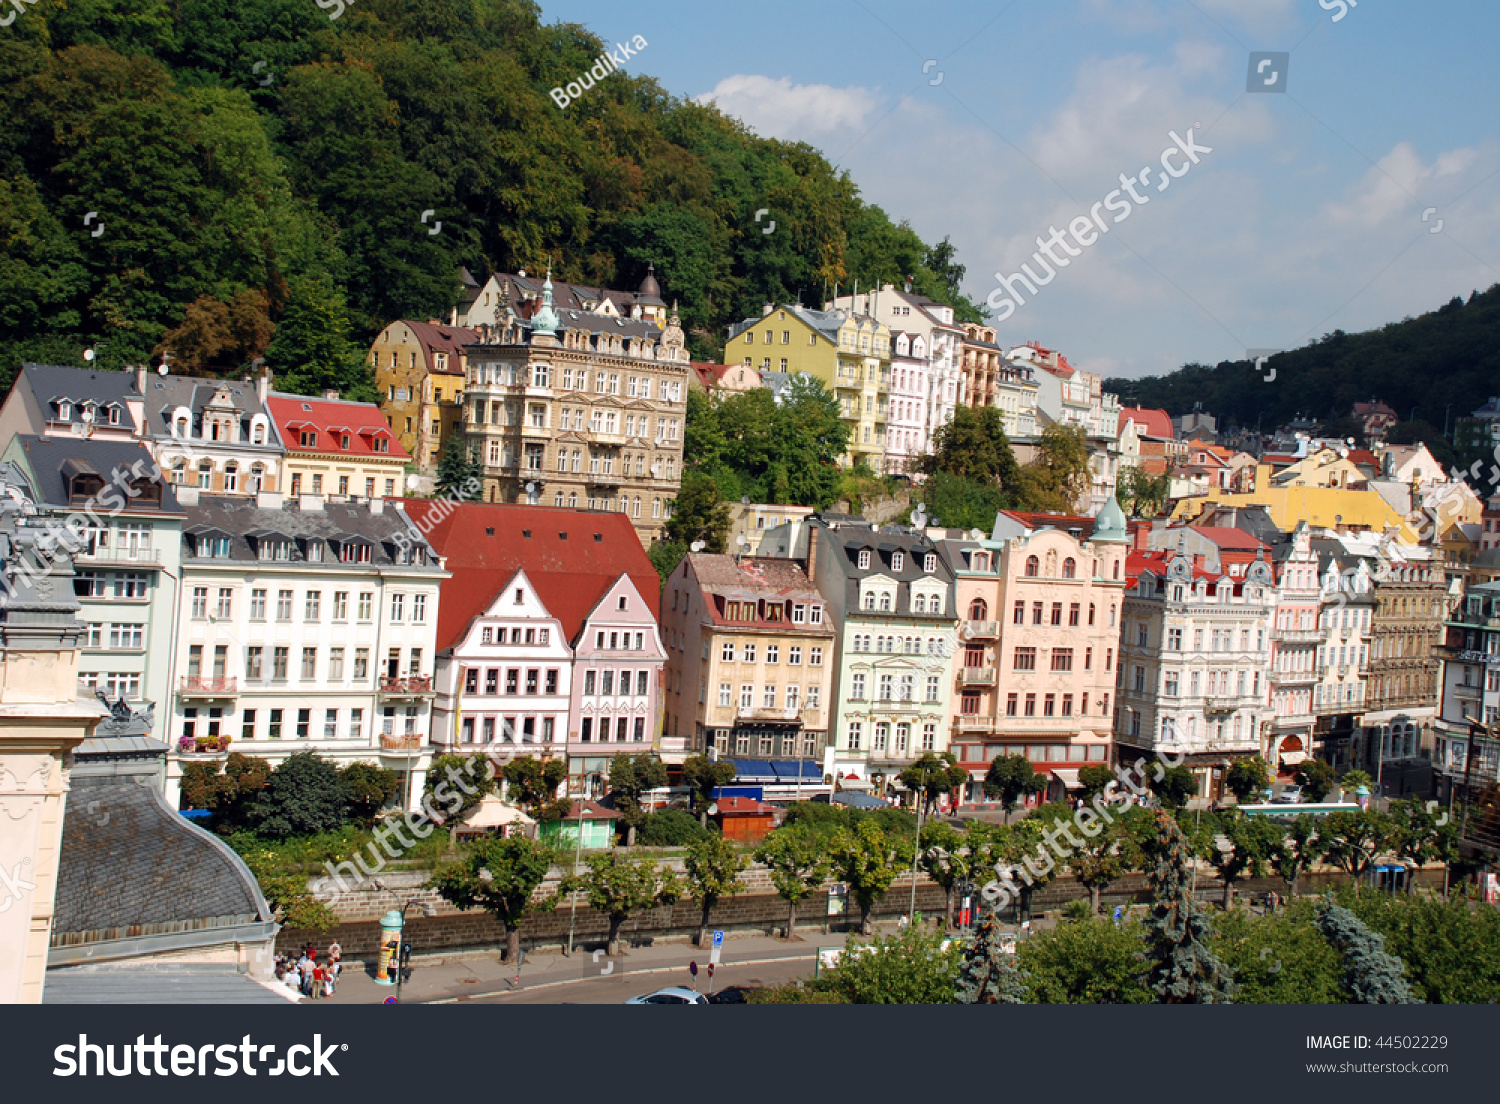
1038	640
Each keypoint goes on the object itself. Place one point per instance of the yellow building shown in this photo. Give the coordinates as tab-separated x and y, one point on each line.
849	353
1321	507
419	371
1324	468
336	447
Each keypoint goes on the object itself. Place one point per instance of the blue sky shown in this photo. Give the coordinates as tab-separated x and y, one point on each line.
1306	217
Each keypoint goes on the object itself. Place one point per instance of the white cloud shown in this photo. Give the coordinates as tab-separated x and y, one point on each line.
1396	183
781	109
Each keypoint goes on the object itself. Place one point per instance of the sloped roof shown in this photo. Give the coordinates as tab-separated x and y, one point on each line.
47	457
437	338
1154	423
363	421
49	381
1064	522
1230	538
242	518
572	557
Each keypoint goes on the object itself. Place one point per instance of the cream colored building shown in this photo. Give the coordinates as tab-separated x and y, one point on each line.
337	449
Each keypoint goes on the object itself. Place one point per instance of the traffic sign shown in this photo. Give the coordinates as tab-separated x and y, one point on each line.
693	968
710	969
718	947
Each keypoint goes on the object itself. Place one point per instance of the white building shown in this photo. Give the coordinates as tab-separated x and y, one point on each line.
305	625
1194	651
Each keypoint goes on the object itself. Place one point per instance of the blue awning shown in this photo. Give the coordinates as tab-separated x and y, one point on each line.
197	814
749	771
790	770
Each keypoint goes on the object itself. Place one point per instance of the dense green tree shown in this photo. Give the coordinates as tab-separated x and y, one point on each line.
230	793
950	857
1142	495
797	859
1371	975
1315	777
367	789
1176	786
671	828
1093	779
458	466
973	445
1248	778
868	861
1089	962
1010	778
932	775
618	888
665	556
909	967
456	783
630	776
1240	849
311	351
1451	947
1357	839
1422	835
1301	845
699	514
304	795
1057	480
501	875
702	776
1111	852
960	503
1182	966
1281	958
533	783
713	866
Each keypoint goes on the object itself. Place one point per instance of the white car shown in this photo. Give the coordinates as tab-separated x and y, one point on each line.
673	994
1289	795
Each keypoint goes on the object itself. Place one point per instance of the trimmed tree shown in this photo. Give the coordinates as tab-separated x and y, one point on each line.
988	975
303	796
630	776
619	888
1109	854
797	860
1422	836
1250	842
367	788
1176	786
703	776
869	861
1248	776
933	775
1010	778
533	783
501	876
463	778
713	866
1182	967
1093	779
1371	974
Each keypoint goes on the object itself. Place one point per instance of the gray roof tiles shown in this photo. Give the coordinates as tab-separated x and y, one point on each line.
243	520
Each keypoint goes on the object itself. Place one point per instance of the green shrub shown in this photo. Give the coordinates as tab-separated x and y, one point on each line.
670	828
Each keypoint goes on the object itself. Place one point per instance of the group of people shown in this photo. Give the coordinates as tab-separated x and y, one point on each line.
311	975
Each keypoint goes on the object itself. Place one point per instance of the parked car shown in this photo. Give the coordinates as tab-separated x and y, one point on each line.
673	994
735	994
1289	795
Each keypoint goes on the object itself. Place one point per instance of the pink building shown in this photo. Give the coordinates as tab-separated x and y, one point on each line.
1038	636
1295	635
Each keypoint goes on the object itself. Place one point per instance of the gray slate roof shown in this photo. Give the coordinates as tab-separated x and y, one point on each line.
166	393
241	519
50	381
46	456
158	983
883	543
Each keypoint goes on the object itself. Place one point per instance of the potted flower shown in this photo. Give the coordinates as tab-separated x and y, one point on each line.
224	742
206	743
185	744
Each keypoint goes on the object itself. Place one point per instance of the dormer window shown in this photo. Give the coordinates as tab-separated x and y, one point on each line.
864	559
816	613
114	415
308	438
258	435
381	445
356	552
898	561
213	548
344	441
869	600
929	564
315	550
275	549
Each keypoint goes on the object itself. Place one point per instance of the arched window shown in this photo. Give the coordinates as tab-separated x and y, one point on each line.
1117	569
978	610
1032	566
1070	568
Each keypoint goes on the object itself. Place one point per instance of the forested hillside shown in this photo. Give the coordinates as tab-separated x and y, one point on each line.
1451	355
253	159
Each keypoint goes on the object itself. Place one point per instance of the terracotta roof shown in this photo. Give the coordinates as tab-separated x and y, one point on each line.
572	557
437	338
363	421
1055	521
591	811
1364	456
1155	423
744	806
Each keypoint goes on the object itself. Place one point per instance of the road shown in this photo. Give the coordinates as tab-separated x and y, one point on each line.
621	984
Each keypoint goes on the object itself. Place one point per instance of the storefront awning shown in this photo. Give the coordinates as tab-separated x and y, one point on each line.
752	771
1292	758
1068	777
791	770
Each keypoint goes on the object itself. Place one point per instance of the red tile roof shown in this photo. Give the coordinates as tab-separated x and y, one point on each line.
363	421
1055	521
437	338
1155	423
486	544
744	806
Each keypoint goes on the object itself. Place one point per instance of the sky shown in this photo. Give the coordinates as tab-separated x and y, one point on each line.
1365	191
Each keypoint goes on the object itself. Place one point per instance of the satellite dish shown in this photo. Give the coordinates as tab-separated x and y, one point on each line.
713	810
741	541
89	354
696	546
745	500
531	488
161	371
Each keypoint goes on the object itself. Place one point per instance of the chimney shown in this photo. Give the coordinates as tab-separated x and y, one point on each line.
140	378
263	385
767	309
812	551
331	396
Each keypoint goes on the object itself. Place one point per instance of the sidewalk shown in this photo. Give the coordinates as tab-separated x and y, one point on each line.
480	973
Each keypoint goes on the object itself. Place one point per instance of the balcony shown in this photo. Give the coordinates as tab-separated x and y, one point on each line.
207	686
980	630
405	686
970	723
536	433
611	439
1295	678
1220	705
978	676
118	557
1300	636
393	744
890	705
781	716
202	747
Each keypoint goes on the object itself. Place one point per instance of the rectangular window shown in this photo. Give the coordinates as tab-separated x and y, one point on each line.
279	659
1031	705
309	663
747	697
773	653
361	664
934	687
1057	613
1010	705
1020	614
1062	659
273	728
226	603
398	607
794	656
1024	659
314	610
726	693
336	665
257	604
1036	613
512	679
419	608
283	605
330	724
200	603
366	604
304	723
253	659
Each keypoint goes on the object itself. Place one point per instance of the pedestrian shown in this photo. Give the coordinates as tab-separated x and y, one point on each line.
327	982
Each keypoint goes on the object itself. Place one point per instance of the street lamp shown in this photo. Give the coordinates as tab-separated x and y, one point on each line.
911	916
429	910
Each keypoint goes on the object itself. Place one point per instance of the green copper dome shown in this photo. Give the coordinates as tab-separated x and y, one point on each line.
545	321
1109	526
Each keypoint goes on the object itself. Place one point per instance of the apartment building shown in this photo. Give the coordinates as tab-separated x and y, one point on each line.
550	616
1347	605
1192	677
1296	661
1466	753
890	599
126	574
750	665
419	372
337	448
581	409
908	436
305	625
1038	630
848	353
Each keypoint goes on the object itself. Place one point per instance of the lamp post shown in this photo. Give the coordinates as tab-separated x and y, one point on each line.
577	858
429	910
917	848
